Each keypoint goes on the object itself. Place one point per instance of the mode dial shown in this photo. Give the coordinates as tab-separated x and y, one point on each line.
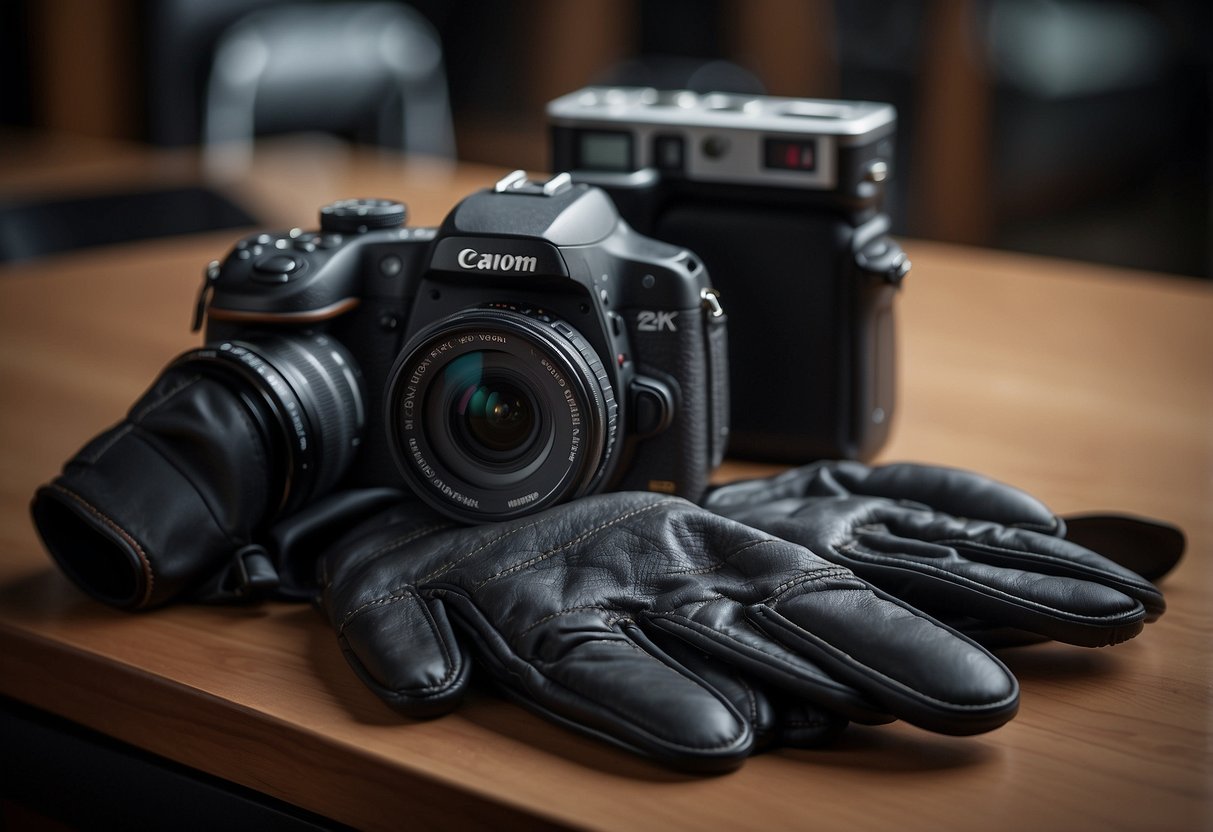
354	216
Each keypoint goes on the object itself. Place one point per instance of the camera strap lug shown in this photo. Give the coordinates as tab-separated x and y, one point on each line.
711	301
249	574
210	276
254	571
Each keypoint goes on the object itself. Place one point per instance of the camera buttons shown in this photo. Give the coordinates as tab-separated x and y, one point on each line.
391	265
877	172
668	152
715	147
884	259
277	268
652	406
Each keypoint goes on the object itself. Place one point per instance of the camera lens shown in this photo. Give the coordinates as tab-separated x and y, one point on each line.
304	394
495	418
498	412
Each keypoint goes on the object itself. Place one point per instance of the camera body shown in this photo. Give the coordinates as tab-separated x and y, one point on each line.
532	349
782	198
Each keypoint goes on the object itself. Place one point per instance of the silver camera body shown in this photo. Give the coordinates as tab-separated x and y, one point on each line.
783	199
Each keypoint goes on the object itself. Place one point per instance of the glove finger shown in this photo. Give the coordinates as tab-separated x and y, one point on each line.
947	490
908	663
1016	577
991	636
1151	548
402	647
776	720
722	629
952	567
590	671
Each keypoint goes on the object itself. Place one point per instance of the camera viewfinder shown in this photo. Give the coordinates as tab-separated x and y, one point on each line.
604	150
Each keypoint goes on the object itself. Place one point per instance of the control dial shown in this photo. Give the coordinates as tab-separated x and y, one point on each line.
355	216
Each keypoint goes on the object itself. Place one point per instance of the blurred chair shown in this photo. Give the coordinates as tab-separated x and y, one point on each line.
370	72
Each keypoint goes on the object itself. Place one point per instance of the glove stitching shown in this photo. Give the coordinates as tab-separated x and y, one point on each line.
446	567
701	603
149	576
561	547
635	719
819	575
395	544
378	553
613	616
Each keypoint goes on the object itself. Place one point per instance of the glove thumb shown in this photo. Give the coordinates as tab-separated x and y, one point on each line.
399	643
403	649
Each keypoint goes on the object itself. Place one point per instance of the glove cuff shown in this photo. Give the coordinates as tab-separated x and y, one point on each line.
141	550
151	508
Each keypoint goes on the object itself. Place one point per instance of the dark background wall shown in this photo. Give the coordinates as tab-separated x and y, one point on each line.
1067	127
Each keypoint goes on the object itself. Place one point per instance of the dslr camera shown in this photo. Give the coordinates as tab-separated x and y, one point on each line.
531	350
783	199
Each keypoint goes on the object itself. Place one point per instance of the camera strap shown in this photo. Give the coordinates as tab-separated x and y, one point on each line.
717	346
250	573
284	565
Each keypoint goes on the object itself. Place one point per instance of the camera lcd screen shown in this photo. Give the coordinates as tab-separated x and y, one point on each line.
607	151
800	154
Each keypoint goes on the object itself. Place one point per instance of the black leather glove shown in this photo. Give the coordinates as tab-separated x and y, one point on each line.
983	556
157	504
565	609
178	499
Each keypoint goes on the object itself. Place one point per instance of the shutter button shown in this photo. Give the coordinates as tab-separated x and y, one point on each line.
277	268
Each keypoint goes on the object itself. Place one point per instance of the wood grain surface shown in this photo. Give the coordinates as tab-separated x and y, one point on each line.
1090	387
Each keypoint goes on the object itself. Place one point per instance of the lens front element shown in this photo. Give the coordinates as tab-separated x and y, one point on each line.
494	417
494	413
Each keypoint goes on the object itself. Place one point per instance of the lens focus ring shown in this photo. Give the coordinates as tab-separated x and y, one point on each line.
602	388
305	391
324	379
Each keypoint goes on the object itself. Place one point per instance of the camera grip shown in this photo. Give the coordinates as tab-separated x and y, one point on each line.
150	509
690	360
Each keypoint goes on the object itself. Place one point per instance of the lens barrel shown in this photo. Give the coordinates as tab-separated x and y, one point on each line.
495	412
305	393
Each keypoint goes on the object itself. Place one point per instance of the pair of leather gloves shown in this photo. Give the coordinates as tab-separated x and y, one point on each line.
773	614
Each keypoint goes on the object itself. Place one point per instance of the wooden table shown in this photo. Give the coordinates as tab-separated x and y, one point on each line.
1088	386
